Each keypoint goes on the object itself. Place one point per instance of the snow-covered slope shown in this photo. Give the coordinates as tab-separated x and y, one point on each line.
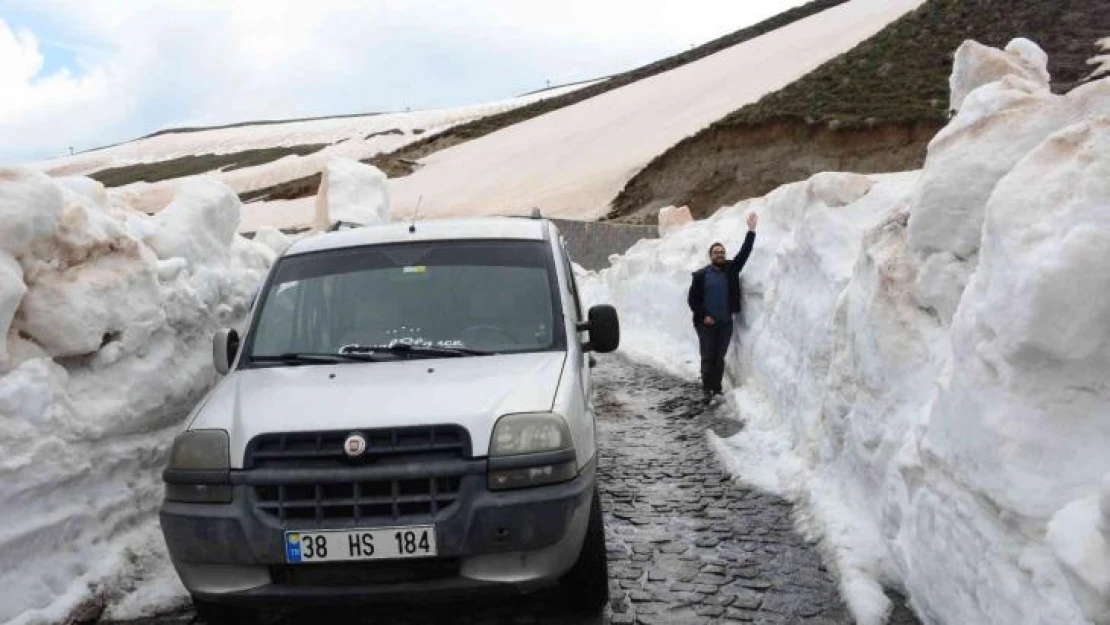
922	361
106	322
255	136
570	162
573	161
349	137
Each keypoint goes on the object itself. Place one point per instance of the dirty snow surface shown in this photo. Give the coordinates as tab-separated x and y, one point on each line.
922	358
106	323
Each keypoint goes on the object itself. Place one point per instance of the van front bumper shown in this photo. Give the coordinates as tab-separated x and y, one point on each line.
516	540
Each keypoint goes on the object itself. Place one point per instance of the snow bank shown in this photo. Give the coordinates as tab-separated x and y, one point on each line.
672	218
999	123
274	239
108	316
976	65
1101	60
922	359
351	192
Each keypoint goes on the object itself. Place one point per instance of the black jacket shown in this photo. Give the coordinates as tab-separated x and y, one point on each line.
696	296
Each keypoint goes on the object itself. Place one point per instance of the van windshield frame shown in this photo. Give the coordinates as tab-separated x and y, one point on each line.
412	260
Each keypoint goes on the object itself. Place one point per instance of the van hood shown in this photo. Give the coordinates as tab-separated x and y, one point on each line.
469	391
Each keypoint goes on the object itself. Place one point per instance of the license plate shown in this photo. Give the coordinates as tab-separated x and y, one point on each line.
382	543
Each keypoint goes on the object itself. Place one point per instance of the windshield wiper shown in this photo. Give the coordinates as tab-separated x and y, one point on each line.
404	348
308	358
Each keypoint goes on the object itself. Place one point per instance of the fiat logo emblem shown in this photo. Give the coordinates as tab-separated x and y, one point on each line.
354	445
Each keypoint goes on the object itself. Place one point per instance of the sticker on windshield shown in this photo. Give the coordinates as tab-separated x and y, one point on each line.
419	341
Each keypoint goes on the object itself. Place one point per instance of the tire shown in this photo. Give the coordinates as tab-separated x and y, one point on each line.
586	585
219	614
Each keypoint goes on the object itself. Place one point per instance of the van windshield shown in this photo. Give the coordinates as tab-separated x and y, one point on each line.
457	297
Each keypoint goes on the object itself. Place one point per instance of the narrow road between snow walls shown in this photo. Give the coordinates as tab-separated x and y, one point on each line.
686	543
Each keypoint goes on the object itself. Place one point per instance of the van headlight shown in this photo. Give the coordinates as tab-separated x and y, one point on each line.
533	449
200	469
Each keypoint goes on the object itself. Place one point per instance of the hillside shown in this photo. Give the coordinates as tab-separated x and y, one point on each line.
152	158
873	109
569	150
400	162
250	156
573	161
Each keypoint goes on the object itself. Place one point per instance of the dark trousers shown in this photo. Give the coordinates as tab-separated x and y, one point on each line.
713	343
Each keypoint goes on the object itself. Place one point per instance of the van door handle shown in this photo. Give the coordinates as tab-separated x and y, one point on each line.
593	362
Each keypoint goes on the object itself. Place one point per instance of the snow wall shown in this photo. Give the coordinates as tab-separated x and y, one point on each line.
923	361
106	322
352	192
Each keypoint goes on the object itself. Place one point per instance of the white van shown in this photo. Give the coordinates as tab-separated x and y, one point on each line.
408	414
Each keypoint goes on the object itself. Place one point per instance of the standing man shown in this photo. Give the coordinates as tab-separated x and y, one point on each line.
713	298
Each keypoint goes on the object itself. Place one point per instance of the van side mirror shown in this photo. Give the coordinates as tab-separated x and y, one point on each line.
225	345
604	329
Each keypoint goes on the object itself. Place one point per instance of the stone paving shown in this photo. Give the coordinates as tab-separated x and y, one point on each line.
686	544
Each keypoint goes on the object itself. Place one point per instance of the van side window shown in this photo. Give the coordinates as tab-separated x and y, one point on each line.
572	282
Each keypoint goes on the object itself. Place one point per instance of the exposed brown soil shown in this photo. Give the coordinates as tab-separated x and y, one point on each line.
198	164
731	163
391	131
893	86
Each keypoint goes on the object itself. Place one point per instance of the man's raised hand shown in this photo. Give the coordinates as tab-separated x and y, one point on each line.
752	221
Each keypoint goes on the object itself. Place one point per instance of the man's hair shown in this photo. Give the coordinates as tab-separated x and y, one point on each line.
720	245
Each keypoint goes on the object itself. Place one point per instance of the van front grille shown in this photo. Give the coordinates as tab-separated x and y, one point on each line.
320	500
359	501
317	450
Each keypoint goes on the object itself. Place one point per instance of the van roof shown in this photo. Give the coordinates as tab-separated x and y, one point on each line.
432	230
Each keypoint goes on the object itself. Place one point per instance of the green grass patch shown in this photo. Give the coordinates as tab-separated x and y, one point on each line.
901	74
896	79
198	164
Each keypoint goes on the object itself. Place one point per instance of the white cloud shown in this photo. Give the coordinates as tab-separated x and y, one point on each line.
19	51
33	104
159	63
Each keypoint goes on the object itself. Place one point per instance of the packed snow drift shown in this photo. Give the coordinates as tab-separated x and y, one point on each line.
352	193
922	361
106	322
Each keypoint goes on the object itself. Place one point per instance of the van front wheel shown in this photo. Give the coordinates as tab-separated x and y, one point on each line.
586	585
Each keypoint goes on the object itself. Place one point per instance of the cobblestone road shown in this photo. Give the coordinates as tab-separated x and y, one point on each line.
686	544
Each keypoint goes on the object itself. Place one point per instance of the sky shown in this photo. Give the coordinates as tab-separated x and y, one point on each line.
84	74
